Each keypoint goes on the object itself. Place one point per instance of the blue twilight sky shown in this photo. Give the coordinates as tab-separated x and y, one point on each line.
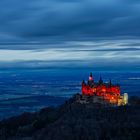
36	33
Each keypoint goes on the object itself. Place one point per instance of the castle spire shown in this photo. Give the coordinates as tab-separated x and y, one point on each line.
83	83
90	77
100	81
110	83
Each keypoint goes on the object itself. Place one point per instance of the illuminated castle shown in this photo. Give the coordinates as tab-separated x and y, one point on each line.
107	91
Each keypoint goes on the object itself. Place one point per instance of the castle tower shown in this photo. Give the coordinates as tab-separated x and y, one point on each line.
110	83
90	77
125	98
83	83
90	81
100	81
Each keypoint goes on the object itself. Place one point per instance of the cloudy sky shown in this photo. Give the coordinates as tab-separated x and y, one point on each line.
38	32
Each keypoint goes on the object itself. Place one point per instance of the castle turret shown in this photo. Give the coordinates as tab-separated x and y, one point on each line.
90	77
91	81
83	83
100	81
110	83
125	98
84	87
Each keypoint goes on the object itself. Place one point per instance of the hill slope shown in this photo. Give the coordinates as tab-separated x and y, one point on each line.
74	121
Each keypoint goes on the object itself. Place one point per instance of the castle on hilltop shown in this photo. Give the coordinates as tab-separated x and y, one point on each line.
109	92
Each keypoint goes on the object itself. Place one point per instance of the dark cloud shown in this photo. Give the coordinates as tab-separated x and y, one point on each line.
32	19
